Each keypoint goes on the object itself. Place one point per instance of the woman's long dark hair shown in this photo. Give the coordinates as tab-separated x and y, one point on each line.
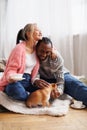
20	36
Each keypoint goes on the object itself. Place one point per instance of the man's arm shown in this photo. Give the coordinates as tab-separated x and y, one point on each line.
58	64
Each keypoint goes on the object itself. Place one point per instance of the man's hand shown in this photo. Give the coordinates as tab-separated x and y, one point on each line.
55	93
41	83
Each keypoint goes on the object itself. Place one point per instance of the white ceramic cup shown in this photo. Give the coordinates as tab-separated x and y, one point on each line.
17	76
78	104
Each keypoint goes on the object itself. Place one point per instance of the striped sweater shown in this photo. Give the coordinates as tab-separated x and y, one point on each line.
53	69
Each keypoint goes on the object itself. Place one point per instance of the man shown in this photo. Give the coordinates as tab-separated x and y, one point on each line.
52	70
51	67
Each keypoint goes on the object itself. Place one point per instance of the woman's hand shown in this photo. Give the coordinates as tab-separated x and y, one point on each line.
11	80
41	83
53	54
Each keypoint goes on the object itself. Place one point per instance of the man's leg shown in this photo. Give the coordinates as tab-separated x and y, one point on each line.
75	88
49	80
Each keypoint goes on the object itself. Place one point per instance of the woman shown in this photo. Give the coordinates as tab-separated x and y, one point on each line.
22	60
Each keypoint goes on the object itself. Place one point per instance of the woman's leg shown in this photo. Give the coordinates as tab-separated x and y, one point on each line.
16	91
75	88
19	90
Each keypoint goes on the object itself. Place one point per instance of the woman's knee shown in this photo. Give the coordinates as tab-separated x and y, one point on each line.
16	91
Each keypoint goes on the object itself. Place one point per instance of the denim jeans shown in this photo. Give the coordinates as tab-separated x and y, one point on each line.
75	88
19	90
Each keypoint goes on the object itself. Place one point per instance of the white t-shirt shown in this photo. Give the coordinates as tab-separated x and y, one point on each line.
30	62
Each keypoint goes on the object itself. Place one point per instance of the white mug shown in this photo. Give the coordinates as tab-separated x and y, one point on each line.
78	104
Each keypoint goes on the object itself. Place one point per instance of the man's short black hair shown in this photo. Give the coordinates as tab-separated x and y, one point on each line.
46	40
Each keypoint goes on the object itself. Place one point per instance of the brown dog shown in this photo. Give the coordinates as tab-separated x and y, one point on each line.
40	96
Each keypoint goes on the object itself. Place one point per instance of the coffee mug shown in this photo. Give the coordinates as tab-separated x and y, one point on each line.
78	104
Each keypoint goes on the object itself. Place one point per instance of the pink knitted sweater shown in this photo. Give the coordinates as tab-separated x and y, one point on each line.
16	64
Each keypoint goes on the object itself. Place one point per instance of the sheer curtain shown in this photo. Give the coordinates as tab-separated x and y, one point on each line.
79	28
64	21
3	6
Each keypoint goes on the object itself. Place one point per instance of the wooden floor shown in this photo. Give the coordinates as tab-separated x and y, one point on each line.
74	120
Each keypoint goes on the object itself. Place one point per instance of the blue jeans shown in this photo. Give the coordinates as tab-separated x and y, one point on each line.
75	88
19	90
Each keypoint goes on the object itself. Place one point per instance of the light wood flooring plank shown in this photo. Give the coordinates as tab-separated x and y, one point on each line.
74	120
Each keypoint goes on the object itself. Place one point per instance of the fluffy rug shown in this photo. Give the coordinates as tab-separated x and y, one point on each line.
59	107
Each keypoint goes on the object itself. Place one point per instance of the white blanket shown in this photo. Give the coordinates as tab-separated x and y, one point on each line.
58	107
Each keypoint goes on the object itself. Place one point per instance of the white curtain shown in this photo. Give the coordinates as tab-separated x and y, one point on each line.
64	21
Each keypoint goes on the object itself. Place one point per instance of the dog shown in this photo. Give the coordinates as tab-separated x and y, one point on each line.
40	97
